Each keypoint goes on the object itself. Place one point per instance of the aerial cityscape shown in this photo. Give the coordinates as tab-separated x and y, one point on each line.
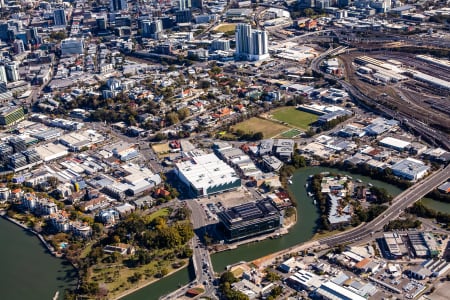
196	149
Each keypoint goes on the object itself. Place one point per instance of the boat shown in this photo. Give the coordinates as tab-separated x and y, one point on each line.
306	185
358	180
290	181
370	185
315	202
310	194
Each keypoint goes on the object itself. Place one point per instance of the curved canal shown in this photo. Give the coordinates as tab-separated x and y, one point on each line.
302	231
27	270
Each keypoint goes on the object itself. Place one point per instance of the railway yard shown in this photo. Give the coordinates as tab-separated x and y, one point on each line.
404	93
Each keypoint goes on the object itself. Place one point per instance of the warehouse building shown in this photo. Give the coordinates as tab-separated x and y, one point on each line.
52	151
206	175
394	143
249	219
423	244
410	169
332	291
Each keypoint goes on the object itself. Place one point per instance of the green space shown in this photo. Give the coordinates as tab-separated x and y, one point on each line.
291	133
294	117
226	27
268	128
162	213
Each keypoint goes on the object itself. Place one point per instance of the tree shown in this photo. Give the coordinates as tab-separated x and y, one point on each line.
172	118
183	113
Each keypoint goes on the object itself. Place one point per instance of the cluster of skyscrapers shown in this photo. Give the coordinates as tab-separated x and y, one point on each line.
251	44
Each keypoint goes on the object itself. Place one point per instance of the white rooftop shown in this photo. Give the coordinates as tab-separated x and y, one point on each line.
206	171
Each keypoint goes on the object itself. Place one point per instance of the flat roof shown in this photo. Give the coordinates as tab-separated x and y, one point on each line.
206	171
390	141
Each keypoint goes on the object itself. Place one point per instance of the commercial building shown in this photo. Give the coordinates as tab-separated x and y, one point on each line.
394	245
220	44
3	77
59	17
332	291
184	4
410	169
12	71
423	244
51	151
207	174
394	143
71	46
11	115
271	163
249	219
117	5
304	280
151	29
251	44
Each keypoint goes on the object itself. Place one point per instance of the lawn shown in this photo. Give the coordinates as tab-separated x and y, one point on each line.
291	133
268	128
225	27
162	150
159	213
294	117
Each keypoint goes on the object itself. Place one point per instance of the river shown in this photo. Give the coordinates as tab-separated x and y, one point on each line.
302	231
27	270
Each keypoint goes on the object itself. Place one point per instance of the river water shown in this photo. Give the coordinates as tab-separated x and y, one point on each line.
27	270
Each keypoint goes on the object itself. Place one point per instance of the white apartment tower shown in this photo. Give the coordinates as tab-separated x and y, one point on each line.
3	74
12	71
251	44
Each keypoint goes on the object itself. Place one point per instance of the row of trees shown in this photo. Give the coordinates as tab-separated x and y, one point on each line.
402	224
421	210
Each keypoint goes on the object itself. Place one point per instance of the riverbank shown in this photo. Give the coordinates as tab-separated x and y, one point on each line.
39	236
145	284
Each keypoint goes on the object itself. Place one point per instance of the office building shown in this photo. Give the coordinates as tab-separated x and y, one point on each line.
101	23
152	29
249	219
184	4
251	44
322	4
59	17
183	16
12	71
118	5
205	175
11	115
18	47
72	46
221	44
3	74
410	169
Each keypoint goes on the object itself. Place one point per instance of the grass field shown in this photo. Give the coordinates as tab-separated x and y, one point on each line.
268	128
159	213
162	150
226	27
291	133
294	117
